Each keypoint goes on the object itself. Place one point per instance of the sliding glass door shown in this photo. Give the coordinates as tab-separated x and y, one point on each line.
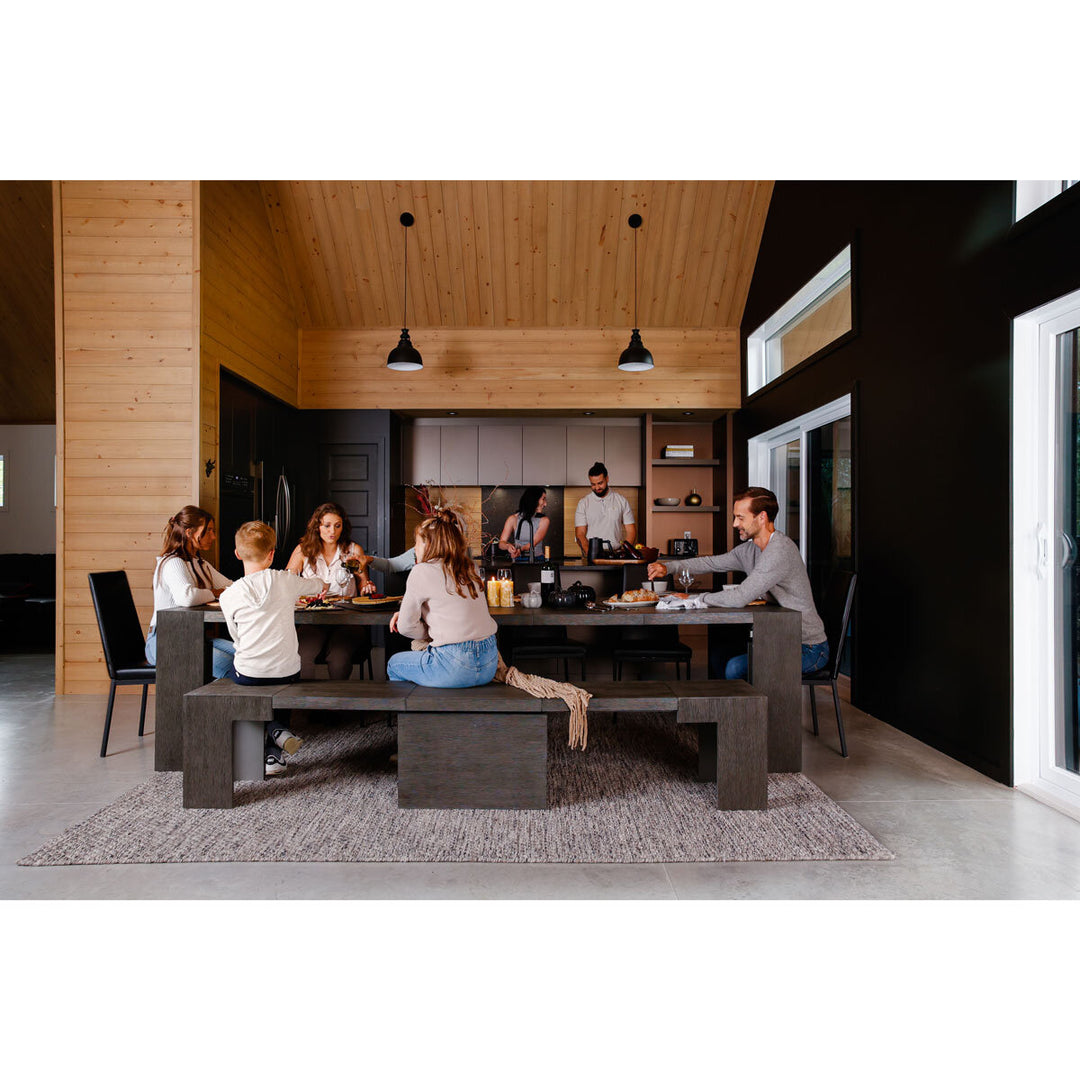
807	462
1046	535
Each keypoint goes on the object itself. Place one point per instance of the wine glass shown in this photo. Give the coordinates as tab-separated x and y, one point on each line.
685	579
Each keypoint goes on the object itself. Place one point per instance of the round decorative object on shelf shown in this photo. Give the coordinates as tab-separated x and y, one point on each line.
693	499
666	502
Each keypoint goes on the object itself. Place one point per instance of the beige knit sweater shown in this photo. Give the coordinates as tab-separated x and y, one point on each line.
432	609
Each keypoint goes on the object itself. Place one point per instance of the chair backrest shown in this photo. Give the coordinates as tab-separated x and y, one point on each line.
118	621
836	614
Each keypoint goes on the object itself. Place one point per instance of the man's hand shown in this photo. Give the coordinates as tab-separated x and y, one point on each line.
657	570
393	622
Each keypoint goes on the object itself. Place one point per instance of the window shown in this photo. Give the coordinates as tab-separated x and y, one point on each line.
817	315
1031	194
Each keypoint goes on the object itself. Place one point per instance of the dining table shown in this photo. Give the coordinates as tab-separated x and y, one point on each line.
184	660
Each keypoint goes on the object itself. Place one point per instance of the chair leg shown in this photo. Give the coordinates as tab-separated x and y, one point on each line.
108	718
688	675
678	671
142	711
813	707
839	720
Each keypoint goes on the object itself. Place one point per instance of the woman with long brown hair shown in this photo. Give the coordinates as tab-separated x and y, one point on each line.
445	612
327	552
183	578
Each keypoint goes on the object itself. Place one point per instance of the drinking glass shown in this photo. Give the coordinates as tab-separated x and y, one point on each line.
686	579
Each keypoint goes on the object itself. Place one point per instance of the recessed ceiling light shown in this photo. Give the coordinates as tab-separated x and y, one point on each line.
451	413
586	414
688	414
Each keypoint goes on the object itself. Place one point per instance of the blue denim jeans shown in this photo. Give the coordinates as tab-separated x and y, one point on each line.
813	657
224	650
465	663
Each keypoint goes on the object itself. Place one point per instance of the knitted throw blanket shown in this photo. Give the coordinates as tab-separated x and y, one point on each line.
536	685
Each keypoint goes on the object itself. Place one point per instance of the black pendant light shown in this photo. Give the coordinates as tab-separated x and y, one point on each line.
635	357
403	357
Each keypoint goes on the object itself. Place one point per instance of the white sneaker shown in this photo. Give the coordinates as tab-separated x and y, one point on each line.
288	741
274	766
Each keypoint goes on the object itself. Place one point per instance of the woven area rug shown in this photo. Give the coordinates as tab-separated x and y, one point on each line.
631	797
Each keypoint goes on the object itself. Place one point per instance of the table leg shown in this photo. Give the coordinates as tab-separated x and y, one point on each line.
182	666
777	672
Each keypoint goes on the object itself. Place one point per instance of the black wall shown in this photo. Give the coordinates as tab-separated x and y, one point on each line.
929	370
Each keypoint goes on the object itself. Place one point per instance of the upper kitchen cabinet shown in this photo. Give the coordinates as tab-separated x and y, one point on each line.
584	446
421	454
622	455
543	455
500	455
459	445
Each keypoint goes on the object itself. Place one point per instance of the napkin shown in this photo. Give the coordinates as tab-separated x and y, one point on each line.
675	603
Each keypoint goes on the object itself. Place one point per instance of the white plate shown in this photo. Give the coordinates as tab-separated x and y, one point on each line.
630	603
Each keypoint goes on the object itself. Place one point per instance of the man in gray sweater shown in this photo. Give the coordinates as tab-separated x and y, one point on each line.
772	564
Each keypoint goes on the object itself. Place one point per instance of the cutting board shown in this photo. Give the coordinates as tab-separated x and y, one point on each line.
613	562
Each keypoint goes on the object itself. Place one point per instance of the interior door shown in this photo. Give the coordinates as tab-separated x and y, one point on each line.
349	475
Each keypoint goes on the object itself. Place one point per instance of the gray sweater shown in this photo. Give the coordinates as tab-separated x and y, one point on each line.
778	570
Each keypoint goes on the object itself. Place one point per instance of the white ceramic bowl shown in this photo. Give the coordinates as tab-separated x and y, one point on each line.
659	586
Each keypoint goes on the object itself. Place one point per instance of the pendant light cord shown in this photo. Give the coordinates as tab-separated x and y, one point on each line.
635	277
405	301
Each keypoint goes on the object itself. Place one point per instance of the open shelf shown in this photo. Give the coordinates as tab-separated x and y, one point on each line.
685	509
685	461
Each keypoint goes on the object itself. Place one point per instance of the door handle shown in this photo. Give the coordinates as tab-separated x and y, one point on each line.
1041	553
1068	557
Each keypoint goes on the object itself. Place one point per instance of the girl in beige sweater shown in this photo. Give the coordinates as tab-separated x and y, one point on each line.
444	604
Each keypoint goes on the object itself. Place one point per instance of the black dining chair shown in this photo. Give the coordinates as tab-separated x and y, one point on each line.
121	639
648	644
836	614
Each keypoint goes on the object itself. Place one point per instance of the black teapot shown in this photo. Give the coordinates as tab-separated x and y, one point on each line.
583	594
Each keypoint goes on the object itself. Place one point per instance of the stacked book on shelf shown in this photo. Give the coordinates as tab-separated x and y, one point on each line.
674	450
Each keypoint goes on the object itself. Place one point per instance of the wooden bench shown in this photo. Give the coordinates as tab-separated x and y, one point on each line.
482	747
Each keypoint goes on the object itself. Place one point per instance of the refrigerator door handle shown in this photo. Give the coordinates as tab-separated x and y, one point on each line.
282	509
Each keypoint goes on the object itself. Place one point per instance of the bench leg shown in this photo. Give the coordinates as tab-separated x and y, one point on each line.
208	745
485	761
737	744
249	750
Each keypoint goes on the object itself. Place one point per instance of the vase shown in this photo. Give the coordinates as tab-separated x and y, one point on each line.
693	499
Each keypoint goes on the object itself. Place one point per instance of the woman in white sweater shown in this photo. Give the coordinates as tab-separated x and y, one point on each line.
444	606
182	578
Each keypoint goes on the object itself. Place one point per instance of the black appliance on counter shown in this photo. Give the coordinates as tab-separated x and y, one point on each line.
682	549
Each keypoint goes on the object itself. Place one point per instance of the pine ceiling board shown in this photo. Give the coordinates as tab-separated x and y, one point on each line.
497	251
340	213
724	282
301	225
762	197
544	239
696	210
710	274
286	257
463	250
667	283
511	282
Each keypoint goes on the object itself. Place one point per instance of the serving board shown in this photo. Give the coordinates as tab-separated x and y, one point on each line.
612	562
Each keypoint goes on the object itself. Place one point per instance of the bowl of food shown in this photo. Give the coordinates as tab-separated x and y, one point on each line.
666	502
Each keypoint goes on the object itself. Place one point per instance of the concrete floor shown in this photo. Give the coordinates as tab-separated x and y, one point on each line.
955	833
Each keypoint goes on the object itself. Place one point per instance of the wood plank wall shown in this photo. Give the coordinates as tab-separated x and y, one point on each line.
537	368
247	325
127	413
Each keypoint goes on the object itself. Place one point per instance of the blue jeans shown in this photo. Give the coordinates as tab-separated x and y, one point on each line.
813	658
224	650
464	663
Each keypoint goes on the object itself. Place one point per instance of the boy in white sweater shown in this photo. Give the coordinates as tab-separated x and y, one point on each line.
258	611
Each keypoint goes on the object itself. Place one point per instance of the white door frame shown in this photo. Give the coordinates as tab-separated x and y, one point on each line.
760	447
1037	706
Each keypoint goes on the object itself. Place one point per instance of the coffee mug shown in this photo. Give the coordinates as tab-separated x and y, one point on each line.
659	586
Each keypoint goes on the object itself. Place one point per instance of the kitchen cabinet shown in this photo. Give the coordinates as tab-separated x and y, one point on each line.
584	446
422	454
622	455
543	455
499	453
459	450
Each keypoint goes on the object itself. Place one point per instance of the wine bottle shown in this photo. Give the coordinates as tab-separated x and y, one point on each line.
549	576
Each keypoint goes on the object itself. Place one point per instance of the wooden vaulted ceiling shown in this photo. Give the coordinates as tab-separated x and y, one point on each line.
517	254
